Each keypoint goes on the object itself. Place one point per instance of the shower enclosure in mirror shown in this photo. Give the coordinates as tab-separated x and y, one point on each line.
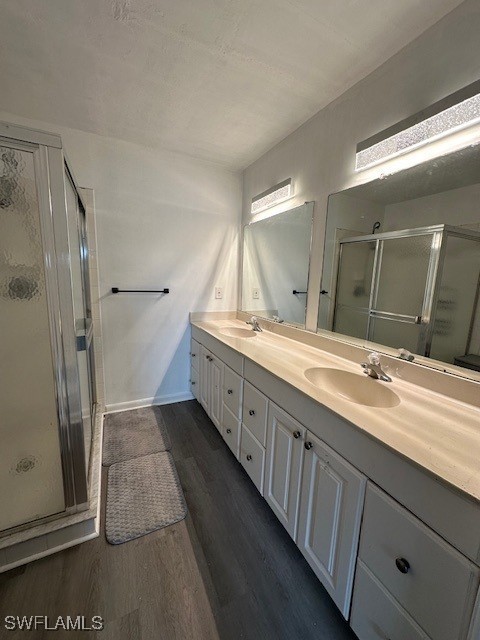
47	392
276	258
402	261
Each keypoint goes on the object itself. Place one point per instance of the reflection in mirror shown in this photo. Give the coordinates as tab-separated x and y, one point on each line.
402	261
276	258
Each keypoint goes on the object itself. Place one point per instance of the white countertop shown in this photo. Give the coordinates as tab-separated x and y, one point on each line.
436	432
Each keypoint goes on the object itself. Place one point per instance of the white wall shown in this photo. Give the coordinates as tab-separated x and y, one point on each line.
457	207
163	220
320	155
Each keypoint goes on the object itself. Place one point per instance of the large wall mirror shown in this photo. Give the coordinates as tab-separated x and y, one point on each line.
276	259
402	262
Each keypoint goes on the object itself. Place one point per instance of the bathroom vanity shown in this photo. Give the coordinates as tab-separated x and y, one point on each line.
377	483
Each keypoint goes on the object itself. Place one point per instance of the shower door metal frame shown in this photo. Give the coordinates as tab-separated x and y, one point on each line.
431	285
49	162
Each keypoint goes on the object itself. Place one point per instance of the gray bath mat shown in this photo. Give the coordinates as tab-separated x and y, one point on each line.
143	495
129	434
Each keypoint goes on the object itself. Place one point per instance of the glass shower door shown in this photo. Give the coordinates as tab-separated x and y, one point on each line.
31	476
400	302
354	288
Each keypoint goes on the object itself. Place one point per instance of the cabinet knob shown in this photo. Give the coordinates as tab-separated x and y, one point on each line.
229	431
251	412
193	382
249	457
230	391
402	565
296	434
193	355
308	445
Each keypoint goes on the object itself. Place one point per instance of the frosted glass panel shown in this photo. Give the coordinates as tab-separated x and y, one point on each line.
395	334
403	274
456	299
30	465
355	274
351	322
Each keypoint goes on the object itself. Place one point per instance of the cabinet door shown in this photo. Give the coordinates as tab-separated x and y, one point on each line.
205	393
285	451
216	391
194	382
332	498
195	354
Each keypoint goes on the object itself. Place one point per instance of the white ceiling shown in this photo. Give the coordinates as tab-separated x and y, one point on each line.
223	80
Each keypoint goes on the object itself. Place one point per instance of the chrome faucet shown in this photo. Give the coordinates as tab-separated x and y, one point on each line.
254	322
374	369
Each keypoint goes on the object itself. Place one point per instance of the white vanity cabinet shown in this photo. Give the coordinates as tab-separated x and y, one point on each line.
429	581
284	451
397	550
330	516
211	385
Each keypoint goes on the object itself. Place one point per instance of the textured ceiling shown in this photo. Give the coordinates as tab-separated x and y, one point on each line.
223	80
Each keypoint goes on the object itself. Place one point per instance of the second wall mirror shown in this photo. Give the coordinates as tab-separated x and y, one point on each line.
276	259
402	261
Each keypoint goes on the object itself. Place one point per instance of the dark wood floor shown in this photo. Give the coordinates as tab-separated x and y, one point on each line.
229	571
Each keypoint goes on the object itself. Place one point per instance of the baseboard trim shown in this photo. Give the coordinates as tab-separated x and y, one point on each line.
148	402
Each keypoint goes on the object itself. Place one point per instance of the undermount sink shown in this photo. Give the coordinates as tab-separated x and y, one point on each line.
354	387
237	332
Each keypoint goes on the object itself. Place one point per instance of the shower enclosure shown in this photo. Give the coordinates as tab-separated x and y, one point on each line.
415	288
47	392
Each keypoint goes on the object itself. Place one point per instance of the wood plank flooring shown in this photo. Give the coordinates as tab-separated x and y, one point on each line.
229	571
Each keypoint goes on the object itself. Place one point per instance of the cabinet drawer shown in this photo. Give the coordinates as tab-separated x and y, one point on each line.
252	457
232	391
194	378
195	354
432	581
376	615
255	412
231	430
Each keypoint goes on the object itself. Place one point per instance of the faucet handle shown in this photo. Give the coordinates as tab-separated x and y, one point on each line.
374	358
365	366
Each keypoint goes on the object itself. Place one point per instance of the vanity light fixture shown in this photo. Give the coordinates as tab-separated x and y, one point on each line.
452	115
280	192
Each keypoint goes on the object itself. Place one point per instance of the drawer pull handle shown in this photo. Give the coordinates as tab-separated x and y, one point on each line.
308	445
296	434
249	457
251	412
230	391
193	382
402	565
229	431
